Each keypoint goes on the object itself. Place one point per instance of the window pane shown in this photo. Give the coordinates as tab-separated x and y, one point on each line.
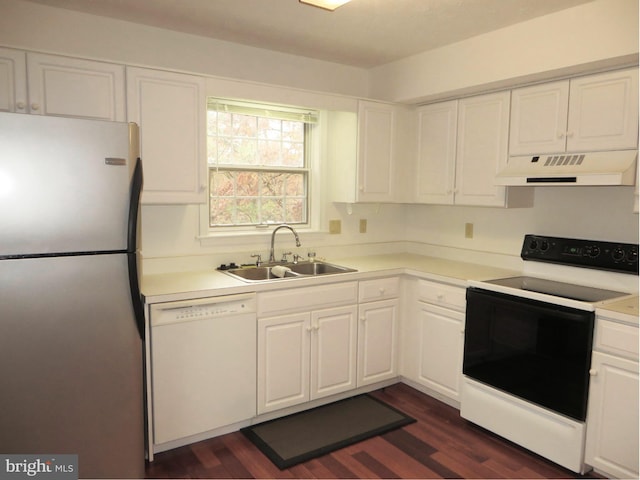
273	211
223	183
295	210
293	131
247	211
269	152
245	126
222	211
293	154
295	184
247	184
273	184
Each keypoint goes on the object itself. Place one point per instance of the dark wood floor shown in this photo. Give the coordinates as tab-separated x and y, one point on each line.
439	445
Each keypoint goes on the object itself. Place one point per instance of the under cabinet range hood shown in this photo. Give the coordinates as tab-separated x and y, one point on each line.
586	168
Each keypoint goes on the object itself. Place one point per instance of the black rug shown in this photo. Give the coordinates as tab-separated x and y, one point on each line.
302	436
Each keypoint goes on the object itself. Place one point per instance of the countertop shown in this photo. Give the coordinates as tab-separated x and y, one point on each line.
168	287
625	309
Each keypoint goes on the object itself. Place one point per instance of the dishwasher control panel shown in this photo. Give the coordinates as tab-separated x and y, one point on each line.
206	308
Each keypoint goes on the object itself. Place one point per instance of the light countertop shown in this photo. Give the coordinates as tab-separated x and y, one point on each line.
625	309
187	285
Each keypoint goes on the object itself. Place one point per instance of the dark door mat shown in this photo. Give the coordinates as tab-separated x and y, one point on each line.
302	436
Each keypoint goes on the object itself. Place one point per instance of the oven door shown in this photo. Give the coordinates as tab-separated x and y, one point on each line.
537	351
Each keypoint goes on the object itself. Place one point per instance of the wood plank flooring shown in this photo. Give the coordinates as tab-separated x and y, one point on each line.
439	445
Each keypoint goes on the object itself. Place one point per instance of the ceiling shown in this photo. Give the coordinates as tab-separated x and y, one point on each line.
363	33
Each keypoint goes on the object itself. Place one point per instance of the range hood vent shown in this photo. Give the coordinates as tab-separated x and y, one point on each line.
594	168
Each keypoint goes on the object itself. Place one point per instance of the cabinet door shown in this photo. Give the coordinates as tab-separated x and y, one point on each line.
603	112
333	351
283	361
171	111
74	87
612	419
483	127
376	138
13	80
435	172
441	335
377	341
539	119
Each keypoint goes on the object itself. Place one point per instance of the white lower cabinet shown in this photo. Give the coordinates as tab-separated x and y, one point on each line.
378	330
309	354
434	337
612	420
314	342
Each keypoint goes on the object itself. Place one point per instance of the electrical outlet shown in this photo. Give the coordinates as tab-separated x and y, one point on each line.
363	225
468	230
335	226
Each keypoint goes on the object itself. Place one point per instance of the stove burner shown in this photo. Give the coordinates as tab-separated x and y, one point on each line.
558	289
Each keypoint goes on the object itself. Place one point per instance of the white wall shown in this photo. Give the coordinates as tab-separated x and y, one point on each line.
591	36
53	30
595	213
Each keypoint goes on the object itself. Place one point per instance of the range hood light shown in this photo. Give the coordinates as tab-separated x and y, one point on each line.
326	4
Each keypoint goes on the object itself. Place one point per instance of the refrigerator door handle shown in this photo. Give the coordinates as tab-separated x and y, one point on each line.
132	247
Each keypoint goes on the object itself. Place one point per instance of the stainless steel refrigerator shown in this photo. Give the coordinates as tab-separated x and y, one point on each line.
71	317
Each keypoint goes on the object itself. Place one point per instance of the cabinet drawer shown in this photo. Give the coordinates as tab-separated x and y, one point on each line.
307	298
379	289
442	294
616	338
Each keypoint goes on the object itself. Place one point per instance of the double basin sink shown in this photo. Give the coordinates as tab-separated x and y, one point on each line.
286	270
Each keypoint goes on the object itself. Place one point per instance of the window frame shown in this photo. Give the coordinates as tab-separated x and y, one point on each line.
313	132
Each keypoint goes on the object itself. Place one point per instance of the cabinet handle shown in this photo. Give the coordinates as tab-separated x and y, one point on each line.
35	106
20	106
203	188
381	290
593	372
560	134
363	319
440	296
569	134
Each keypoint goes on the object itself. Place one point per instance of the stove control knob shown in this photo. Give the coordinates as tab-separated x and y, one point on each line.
617	254
632	255
544	246
594	251
533	244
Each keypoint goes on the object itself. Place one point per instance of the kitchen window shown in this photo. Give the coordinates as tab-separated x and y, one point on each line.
258	164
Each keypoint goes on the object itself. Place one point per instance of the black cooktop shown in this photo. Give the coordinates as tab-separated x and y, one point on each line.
558	289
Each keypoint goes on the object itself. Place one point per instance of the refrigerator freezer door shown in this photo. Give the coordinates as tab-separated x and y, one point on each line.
71	363
64	184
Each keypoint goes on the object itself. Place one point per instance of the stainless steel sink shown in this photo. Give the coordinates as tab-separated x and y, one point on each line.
296	270
318	268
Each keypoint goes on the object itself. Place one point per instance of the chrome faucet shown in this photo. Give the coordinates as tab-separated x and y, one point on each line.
272	257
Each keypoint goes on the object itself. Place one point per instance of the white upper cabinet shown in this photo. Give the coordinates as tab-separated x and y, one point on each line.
55	85
435	169
591	113
171	111
481	151
369	169
376	138
13	80
462	144
539	118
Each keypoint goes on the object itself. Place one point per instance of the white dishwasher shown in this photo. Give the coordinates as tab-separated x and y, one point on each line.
203	365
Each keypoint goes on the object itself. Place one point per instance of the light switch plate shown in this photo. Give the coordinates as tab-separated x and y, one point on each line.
335	226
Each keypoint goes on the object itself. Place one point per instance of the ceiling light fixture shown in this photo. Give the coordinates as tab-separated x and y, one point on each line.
326	4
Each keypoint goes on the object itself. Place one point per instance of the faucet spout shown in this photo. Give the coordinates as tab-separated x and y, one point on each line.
272	257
